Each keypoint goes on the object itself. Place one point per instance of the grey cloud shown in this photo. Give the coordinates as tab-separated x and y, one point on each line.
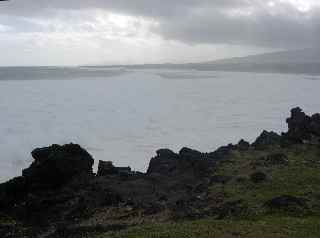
192	21
264	30
149	8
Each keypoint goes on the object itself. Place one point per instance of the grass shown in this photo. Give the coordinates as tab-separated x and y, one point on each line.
5	220
299	178
268	227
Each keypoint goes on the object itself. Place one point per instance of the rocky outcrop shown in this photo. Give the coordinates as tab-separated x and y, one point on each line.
53	166
188	161
243	145
12	191
303	128
106	168
287	203
266	139
59	188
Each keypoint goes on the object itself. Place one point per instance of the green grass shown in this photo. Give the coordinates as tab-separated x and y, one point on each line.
269	227
300	178
5	220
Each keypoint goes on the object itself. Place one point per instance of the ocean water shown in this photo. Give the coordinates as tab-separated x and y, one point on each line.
125	115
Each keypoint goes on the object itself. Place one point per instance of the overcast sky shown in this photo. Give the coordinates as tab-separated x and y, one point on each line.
72	32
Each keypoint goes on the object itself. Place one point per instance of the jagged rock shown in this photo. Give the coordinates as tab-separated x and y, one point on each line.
267	139
55	165
187	153
59	187
315	124
243	145
166	153
164	163
188	161
298	125
222	152
258	177
303	128
106	168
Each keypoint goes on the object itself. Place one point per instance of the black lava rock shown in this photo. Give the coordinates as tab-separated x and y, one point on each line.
55	165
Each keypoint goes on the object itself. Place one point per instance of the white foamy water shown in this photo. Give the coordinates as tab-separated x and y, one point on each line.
125	116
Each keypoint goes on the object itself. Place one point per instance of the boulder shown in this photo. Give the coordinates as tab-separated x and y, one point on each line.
287	203
258	177
298	125
267	139
243	145
166	153
106	168
187	153
222	152
164	163
55	165
303	128
187	162
315	124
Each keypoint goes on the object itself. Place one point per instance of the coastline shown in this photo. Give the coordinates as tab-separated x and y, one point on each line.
60	196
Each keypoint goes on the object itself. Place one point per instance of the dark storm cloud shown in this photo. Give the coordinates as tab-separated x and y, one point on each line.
150	8
240	22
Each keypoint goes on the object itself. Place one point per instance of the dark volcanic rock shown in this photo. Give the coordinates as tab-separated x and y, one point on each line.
315	124
267	139
12	191
298	125
287	203
258	177
187	153
106	168
243	145
303	128
222	152
188	161
59	187
55	165
164	163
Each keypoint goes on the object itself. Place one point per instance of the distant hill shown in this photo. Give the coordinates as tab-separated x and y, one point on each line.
306	61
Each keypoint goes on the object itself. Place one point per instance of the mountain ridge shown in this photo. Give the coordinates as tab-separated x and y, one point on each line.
303	61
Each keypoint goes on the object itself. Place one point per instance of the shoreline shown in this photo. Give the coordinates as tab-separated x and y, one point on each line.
60	193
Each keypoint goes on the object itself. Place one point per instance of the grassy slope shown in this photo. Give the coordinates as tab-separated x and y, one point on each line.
273	227
300	178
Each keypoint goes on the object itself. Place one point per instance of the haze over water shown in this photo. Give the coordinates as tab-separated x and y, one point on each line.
126	115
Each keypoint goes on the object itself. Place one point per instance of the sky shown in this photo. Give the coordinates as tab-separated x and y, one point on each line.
85	32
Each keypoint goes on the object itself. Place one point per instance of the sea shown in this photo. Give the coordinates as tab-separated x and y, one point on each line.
124	115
